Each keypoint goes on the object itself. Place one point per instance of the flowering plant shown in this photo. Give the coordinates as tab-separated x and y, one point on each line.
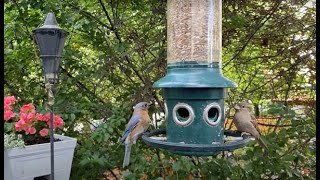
32	125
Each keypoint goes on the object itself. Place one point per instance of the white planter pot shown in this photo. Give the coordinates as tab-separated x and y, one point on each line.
34	160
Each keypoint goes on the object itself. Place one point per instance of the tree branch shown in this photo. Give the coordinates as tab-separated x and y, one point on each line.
268	16
14	92
146	82
82	86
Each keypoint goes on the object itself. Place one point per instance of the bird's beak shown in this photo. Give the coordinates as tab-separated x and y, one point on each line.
150	104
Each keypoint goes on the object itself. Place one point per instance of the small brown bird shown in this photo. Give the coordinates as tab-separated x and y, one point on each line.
245	121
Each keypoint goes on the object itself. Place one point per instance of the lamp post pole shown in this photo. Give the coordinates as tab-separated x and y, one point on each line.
51	144
50	39
50	87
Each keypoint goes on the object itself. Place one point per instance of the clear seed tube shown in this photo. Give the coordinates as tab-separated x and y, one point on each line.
194	31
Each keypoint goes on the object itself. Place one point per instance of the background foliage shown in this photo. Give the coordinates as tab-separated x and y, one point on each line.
116	50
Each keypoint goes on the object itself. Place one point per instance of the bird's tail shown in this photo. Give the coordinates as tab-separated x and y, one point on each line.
262	143
127	152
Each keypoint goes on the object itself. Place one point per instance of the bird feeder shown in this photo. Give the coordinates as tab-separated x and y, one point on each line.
194	87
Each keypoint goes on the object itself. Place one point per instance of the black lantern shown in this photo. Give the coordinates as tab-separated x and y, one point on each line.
50	38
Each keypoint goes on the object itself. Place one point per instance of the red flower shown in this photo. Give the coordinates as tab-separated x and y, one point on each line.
27	117
43	132
20	124
8	115
29	130
32	130
46	117
9	100
40	117
57	121
28	108
7	107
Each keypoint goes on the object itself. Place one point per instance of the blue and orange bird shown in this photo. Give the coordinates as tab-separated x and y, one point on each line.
138	124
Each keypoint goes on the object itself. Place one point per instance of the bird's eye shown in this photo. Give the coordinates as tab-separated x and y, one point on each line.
243	106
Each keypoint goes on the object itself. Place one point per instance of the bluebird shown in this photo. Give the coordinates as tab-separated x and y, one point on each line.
138	124
246	122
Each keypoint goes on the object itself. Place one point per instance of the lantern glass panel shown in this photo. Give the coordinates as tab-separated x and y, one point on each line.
51	68
50	42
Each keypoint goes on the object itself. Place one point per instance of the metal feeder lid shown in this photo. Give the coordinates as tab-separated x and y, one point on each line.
195	77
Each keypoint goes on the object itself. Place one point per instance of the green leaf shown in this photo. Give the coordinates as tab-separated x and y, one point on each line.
84	162
72	117
176	166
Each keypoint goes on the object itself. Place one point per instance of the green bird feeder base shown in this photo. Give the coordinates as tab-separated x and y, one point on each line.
194	96
195	149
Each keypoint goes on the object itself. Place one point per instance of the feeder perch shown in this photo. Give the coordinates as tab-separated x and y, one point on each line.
194	87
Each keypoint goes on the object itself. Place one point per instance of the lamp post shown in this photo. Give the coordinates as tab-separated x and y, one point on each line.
50	39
